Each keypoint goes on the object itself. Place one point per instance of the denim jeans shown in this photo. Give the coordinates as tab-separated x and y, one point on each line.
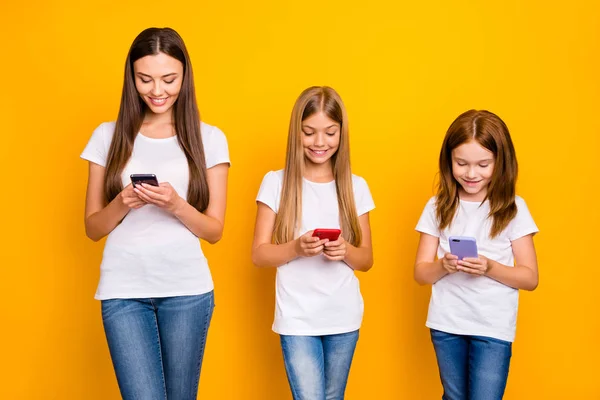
157	344
471	367
317	367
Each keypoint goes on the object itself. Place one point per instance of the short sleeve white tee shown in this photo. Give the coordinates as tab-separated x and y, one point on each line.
464	304
151	253
315	296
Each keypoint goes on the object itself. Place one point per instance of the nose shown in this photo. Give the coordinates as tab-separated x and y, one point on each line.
319	140
471	172
156	89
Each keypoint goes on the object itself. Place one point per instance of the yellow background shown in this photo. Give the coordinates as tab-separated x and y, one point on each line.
405	70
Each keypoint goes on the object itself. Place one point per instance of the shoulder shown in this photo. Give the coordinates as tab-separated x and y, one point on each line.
211	133
520	202
359	183
103	134
106	129
275	177
430	205
522	209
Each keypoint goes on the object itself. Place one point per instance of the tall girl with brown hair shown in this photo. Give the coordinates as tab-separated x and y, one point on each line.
319	307
473	308
155	284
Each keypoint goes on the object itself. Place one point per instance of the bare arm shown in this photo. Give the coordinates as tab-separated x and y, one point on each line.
101	219
207	225
428	270
267	254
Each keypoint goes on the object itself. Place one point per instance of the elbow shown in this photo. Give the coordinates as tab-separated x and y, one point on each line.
368	265
256	260
531	286
417	276
215	239
92	235
216	236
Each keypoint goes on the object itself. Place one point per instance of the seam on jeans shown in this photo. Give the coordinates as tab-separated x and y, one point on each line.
162	367
204	335
295	394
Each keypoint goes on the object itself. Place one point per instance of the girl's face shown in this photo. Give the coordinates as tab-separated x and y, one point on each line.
472	167
320	138
158	80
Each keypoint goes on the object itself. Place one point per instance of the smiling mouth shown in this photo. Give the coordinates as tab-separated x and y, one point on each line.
471	183
318	153
158	101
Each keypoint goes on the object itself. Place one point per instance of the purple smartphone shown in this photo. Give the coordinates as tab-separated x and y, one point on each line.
463	246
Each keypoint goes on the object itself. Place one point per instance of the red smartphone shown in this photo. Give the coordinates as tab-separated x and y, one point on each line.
138	179
331	234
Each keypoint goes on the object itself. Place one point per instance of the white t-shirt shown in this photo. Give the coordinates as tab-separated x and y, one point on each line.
151	253
465	304
315	296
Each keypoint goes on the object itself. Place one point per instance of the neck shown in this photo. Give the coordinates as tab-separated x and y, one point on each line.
163	118
476	197
320	173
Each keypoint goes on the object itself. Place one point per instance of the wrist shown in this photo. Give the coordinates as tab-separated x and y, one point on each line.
295	247
178	207
490	266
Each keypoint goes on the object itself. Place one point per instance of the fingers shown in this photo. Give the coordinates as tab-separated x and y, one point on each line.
449	256
473	266
472	271
145	197
310	242
470	264
334	253
154	189
333	258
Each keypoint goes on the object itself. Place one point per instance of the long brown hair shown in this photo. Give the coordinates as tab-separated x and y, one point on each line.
185	117
490	132
289	216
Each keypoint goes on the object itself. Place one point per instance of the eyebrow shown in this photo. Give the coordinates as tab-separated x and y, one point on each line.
164	76
480	161
330	126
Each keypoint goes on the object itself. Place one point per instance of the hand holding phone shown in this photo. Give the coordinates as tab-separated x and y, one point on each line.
469	261
130	199
335	249
309	245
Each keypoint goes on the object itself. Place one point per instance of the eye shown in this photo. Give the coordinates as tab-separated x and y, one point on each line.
461	164
171	81
484	165
331	133
145	81
308	133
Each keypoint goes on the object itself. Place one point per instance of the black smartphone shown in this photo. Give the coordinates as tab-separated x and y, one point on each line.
138	179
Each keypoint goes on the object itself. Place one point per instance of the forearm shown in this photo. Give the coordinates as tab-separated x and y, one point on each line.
201	225
274	255
103	222
518	277
359	258
429	272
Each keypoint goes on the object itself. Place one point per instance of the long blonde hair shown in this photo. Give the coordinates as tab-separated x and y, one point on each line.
289	216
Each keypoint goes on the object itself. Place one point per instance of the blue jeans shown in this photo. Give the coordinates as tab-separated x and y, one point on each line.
157	344
317	367
471	367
